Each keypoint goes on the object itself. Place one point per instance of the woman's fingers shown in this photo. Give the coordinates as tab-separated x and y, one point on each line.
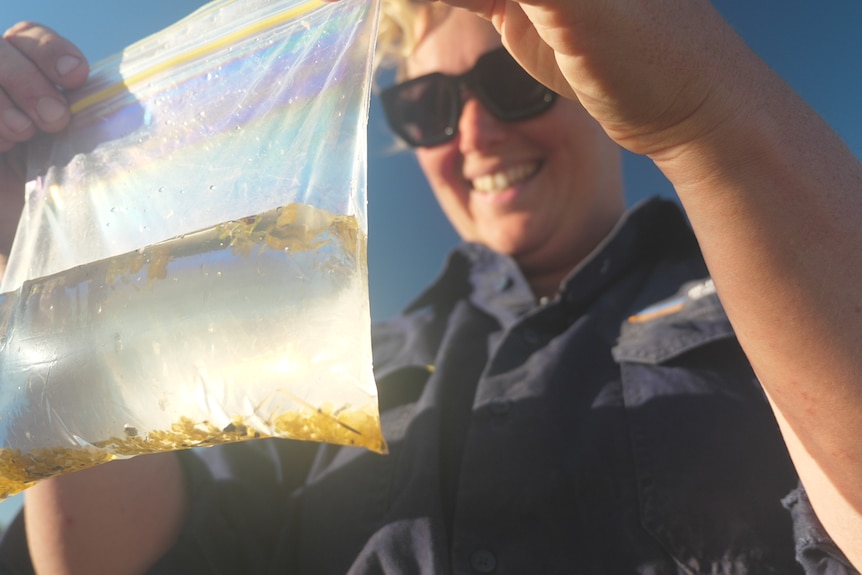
35	64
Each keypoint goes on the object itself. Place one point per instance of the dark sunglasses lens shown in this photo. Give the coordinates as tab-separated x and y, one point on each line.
422	111
425	111
509	92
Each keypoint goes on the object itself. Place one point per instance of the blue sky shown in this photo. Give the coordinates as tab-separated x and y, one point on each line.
815	46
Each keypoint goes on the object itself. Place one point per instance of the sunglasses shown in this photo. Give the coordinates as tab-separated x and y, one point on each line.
424	111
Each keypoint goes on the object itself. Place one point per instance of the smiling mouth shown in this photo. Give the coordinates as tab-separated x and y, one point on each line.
504	179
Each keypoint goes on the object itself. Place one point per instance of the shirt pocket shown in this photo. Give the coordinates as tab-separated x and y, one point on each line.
710	465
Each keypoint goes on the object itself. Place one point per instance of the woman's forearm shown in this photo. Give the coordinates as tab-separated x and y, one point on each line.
114	519
775	199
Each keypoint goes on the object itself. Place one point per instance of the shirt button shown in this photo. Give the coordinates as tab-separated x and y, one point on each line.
483	561
503	284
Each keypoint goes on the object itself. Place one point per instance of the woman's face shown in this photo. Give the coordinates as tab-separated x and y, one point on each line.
544	190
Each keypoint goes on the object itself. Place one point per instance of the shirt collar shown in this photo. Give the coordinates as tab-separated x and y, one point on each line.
494	282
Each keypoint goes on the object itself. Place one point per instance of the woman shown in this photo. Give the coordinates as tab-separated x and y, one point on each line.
558	431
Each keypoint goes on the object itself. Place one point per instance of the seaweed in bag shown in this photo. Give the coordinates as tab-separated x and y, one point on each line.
190	266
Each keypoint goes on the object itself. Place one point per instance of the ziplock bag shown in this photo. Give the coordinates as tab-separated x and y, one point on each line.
190	265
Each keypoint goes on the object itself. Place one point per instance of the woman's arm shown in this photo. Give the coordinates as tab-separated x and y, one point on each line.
774	197
113	519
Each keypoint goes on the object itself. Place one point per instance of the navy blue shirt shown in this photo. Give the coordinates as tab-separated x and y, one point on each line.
615	428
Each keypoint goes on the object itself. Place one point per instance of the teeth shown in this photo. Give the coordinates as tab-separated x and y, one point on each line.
504	179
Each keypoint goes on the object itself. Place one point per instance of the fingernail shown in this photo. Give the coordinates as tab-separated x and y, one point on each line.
50	110
16	121
67	63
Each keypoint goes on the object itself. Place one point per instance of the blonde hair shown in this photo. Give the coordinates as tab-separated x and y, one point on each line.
402	25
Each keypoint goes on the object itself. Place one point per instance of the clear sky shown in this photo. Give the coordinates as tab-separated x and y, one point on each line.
815	45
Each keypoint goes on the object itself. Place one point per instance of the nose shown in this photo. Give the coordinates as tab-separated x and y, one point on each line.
478	128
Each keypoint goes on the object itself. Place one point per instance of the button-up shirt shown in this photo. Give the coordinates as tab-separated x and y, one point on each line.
614	428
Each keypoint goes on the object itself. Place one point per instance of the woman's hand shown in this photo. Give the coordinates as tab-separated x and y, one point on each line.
36	64
656	74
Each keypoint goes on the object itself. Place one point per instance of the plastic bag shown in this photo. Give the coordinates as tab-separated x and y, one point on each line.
190	266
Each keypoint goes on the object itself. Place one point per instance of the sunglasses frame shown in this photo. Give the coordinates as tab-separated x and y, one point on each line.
454	86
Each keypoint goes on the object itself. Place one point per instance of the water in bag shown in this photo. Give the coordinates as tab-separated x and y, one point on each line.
190	266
